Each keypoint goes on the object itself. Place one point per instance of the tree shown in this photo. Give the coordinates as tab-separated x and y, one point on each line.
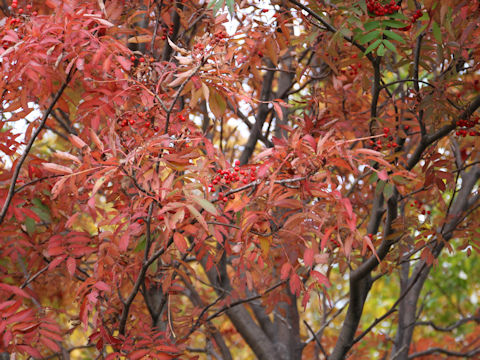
230	180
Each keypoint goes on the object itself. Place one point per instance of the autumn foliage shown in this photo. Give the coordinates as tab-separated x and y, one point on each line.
236	180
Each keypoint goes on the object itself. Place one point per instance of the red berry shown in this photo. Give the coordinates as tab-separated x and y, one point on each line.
140	221
132	58
237	162
225	199
35	13
29	7
161	217
142	59
20	11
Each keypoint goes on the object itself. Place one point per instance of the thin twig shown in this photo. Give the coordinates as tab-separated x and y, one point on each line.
11	190
316	339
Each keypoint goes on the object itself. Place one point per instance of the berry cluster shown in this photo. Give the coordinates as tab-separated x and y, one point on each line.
144	119
377	8
419	205
467	125
140	59
352	69
377	146
416	15
231	176
139	117
166	31
14	21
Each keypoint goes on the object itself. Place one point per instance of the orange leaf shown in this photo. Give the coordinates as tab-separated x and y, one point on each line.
180	242
57	169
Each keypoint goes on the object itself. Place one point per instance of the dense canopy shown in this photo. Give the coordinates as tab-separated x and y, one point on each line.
239	179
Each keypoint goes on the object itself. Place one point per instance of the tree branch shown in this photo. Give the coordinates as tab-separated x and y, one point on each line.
11	190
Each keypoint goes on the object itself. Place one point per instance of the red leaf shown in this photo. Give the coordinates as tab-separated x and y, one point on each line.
77	142
57	169
29	350
54	263
383	175
138	354
180	242
285	271
295	284
71	265
15	290
126	64
308	257
321	279
102	286
52	345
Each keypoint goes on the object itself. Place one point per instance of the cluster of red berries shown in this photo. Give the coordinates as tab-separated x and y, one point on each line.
141	59
166	31
199	47
21	10
161	217
468	125
219	36
232	176
416	15
352	69
419	205
377	8
141	116
133	58
377	146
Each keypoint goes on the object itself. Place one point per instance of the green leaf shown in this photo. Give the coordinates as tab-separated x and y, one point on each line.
230	6
41	210
363	6
388	191
421	30
389	45
437	32
373	46
394	36
217	103
30	225
141	244
381	50
207	205
380	187
371	25
211	3
217	7
394	24
399	16
369	37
